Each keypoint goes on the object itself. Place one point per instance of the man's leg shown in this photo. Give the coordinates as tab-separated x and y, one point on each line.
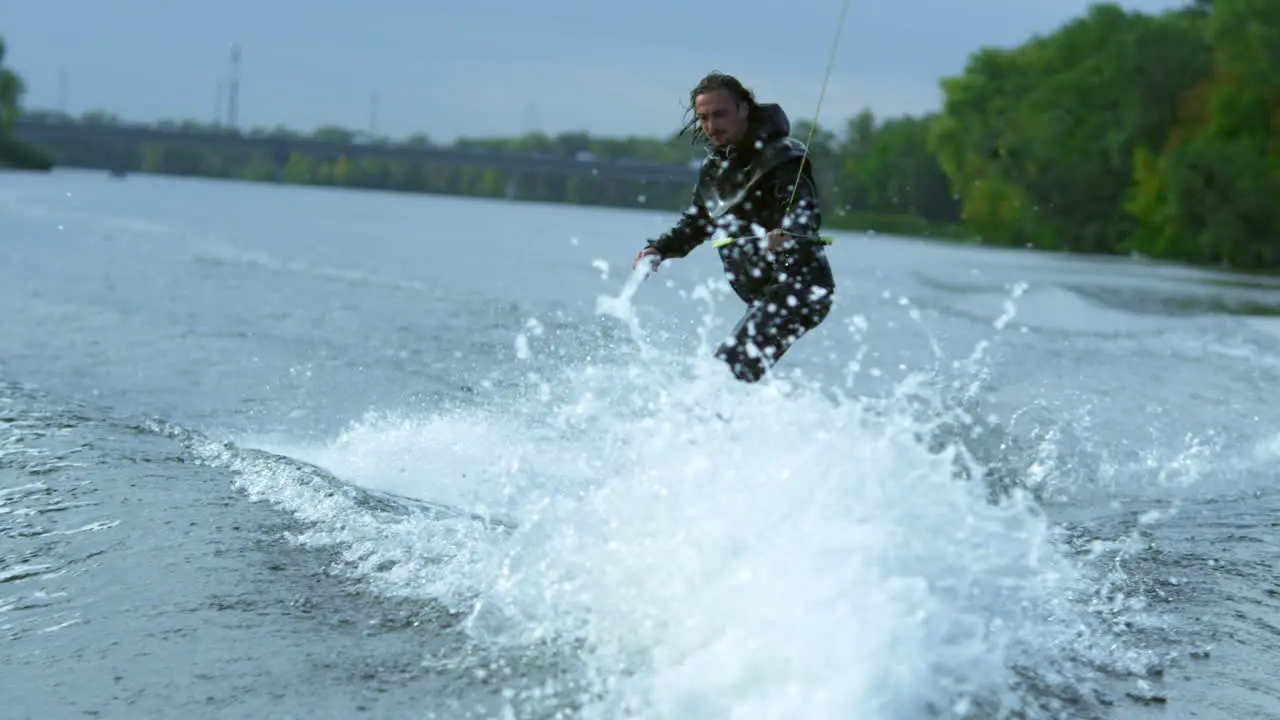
771	326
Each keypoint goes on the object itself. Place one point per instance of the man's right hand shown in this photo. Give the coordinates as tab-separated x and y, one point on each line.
654	257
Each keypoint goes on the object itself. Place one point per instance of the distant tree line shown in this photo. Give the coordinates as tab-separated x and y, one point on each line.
1120	132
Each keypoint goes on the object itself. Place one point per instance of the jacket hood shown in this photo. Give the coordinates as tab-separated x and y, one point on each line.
769	122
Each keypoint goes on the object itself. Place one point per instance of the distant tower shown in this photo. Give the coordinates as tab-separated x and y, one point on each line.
233	90
531	118
62	90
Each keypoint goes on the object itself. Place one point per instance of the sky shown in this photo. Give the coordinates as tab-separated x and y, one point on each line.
503	67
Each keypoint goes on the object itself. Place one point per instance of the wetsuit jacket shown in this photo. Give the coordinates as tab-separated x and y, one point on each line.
748	185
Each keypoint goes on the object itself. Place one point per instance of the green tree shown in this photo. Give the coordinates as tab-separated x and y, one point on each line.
1039	141
12	151
11	89
1211	195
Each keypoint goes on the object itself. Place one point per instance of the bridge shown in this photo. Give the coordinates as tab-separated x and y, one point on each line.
49	134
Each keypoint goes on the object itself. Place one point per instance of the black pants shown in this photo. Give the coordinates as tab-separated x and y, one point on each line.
772	324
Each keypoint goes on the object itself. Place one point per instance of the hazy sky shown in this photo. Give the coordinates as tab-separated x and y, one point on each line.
480	67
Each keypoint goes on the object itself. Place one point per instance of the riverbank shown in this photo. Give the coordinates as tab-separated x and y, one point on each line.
18	155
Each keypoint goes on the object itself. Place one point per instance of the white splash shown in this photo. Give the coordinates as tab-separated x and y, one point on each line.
603	266
807	559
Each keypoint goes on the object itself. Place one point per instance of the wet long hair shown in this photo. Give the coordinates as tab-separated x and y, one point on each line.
711	82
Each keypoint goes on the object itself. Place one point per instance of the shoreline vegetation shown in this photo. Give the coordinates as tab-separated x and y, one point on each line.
13	152
1119	133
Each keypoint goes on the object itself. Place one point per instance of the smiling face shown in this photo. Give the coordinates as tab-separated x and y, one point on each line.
722	118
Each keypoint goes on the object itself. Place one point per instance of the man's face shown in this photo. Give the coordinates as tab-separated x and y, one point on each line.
723	120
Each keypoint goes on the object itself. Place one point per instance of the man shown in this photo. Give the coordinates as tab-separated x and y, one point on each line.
756	186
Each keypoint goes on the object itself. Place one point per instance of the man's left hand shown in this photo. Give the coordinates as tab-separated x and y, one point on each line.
776	240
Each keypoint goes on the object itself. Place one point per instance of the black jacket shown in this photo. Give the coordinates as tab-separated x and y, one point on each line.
749	185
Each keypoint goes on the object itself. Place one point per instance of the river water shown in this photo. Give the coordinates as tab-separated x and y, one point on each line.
284	452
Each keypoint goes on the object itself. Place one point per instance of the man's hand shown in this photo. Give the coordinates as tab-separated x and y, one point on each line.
654	257
776	240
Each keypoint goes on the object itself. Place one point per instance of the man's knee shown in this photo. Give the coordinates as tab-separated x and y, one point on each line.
748	373
754	348
816	310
